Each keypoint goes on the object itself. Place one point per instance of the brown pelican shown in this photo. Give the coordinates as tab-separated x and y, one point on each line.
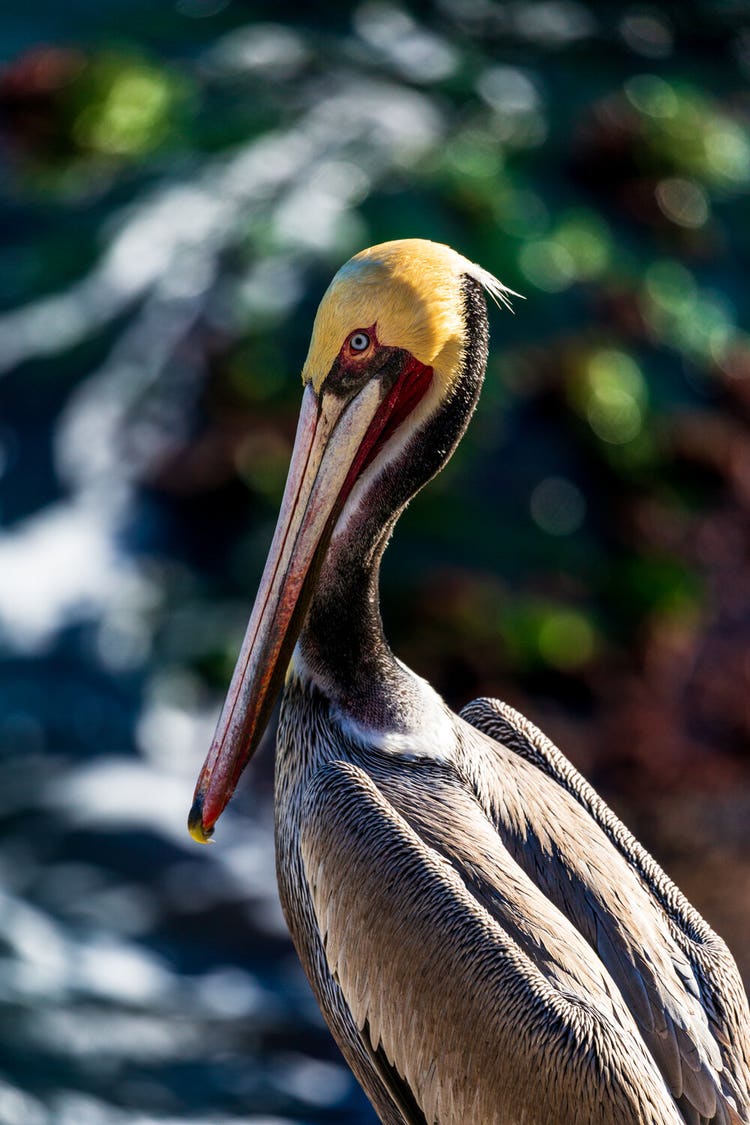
488	943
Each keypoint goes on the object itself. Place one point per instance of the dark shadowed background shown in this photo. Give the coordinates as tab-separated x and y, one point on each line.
179	182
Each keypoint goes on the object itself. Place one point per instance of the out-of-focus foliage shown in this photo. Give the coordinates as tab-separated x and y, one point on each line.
179	183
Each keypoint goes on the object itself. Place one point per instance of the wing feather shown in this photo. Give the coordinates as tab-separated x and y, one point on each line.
702	965
477	1031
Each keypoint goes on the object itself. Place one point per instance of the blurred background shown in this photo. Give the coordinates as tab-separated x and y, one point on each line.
179	182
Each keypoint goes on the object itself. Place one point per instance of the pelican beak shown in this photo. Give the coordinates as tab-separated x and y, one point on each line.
335	438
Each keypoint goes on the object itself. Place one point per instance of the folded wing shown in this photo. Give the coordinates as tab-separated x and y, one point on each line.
471	988
676	974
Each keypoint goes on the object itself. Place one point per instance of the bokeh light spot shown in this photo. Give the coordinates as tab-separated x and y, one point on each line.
698	322
670	284
588	242
728	152
614	397
648	34
508	90
566	639
651	95
557	506
415	52
548	264
683	201
131	115
519	120
553	23
616	419
522	214
272	50
474	156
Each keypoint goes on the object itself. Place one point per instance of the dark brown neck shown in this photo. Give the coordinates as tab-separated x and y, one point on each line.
342	641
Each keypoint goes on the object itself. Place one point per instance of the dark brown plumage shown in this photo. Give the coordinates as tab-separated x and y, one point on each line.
487	942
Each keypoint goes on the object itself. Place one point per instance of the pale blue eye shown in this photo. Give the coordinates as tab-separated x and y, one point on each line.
359	342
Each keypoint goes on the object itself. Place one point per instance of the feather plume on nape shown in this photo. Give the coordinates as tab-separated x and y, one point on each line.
499	293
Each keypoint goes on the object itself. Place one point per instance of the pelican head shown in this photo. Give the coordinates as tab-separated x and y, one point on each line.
396	359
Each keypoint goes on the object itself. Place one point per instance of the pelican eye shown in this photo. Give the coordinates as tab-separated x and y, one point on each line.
359	342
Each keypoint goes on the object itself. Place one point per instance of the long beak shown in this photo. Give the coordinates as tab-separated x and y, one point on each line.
332	443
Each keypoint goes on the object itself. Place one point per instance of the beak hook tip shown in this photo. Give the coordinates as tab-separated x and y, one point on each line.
196	827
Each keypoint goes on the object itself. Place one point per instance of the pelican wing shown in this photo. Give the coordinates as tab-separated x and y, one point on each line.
463	979
613	918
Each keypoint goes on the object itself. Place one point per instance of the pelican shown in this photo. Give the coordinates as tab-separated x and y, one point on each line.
487	941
